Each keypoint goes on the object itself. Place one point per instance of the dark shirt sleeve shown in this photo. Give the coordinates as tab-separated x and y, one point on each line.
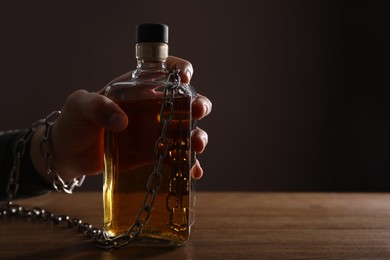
30	183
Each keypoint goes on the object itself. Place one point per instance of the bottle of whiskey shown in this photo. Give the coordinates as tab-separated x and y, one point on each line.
147	180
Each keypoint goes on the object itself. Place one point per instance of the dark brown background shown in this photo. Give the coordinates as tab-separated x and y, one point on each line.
298	87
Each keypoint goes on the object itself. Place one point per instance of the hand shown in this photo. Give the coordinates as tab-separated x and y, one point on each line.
78	133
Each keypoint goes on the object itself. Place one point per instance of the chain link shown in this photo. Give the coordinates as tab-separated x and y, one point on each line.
18	153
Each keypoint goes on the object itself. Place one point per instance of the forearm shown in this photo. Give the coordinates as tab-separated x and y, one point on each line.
37	160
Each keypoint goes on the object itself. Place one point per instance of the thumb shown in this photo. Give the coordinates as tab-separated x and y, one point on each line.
85	107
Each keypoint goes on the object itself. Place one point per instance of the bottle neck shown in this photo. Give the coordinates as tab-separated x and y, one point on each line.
151	55
151	65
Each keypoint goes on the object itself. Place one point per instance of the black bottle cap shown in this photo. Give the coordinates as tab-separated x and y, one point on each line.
152	32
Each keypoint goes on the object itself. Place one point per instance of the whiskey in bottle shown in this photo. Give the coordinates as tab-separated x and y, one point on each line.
130	157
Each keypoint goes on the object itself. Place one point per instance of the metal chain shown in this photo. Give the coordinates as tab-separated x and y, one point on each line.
155	178
18	152
9	209
178	186
152	186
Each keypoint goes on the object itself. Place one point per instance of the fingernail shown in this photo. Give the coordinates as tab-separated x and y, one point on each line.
117	121
205	140
198	173
206	109
189	75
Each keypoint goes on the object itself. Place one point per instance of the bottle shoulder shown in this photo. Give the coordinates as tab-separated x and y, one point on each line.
141	87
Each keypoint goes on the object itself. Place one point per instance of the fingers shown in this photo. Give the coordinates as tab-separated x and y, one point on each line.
199	139
197	171
201	107
85	107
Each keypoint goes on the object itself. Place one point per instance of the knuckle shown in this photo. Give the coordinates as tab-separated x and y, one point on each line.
99	105
73	100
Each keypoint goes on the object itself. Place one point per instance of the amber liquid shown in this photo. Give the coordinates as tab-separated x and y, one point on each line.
130	159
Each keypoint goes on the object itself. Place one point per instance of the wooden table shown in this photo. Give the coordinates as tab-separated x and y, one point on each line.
228	226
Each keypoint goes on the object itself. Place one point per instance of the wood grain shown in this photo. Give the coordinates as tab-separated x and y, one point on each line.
227	226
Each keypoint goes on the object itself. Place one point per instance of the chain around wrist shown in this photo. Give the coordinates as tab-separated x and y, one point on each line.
46	147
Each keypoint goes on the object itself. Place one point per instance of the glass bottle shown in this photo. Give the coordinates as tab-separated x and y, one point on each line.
130	156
